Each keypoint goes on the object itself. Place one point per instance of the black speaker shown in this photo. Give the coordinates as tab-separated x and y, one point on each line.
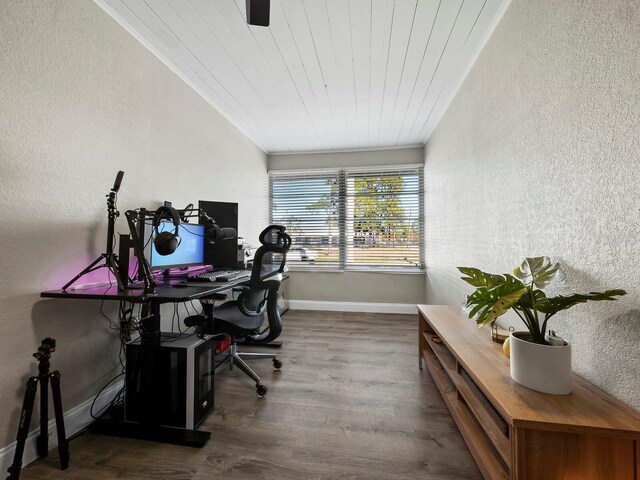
258	12
166	242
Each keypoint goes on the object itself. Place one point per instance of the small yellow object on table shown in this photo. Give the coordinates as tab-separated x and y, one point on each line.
506	347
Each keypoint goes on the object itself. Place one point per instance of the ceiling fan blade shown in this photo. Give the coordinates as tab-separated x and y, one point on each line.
258	12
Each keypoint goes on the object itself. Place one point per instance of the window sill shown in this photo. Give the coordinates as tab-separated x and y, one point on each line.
383	270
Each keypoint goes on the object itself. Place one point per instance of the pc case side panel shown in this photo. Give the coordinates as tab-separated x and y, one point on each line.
203	376
170	379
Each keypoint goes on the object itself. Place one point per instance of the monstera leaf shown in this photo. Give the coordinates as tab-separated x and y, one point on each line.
496	294
553	305
538	271
477	278
490	303
528	302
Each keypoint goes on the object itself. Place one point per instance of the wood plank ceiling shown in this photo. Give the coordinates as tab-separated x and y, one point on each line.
326	75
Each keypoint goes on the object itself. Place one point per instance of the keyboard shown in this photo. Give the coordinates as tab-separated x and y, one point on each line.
219	276
232	275
203	277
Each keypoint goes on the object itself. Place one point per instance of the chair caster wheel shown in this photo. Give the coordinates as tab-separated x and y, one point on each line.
261	391
277	364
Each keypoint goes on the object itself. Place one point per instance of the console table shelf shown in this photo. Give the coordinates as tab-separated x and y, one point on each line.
516	433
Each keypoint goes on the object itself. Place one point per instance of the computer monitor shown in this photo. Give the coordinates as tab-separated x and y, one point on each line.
190	251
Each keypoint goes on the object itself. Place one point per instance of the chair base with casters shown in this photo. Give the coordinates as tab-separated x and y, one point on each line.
239	359
230	319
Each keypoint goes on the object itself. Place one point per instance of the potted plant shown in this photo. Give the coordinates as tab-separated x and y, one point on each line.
535	362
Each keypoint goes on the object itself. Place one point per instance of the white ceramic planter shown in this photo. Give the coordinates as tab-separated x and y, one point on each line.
543	368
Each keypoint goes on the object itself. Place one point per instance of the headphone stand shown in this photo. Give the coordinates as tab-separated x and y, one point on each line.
110	258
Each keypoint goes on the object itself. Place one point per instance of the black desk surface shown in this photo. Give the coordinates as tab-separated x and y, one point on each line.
172	290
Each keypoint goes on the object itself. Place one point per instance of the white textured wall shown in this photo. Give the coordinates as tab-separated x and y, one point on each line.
366	287
79	100
539	154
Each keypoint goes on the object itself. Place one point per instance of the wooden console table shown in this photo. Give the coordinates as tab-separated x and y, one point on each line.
514	432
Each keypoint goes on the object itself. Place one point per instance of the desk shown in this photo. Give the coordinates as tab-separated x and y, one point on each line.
169	291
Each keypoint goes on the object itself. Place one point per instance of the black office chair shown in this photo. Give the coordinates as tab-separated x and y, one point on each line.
244	318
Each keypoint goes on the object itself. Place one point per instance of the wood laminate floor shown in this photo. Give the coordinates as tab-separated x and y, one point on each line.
349	403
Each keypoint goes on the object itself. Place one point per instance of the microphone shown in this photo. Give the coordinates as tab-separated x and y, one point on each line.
227	233
215	233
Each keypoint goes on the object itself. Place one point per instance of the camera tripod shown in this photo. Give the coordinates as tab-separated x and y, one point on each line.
42	355
110	258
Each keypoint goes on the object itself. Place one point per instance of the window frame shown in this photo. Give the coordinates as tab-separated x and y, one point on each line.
342	174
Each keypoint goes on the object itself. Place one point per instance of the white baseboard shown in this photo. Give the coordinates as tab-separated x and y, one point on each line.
75	419
408	308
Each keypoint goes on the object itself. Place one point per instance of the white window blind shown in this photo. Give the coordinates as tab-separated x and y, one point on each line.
308	204
351	219
383	219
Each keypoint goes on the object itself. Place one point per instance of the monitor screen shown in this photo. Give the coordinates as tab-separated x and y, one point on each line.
190	251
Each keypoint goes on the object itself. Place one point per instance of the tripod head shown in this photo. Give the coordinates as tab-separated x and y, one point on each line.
46	348
113	212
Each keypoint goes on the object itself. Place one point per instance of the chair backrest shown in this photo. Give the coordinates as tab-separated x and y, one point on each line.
262	294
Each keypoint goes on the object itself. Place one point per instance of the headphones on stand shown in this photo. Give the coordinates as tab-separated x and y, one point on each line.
166	242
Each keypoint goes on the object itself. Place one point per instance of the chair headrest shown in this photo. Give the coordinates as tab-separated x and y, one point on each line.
275	239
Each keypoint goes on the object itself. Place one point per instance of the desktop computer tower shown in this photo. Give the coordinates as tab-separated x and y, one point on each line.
183	379
222	254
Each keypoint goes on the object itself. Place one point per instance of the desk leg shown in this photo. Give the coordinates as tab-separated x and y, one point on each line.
149	344
207	309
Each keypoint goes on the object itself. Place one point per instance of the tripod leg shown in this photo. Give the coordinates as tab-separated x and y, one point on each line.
112	263
83	272
42	441
23	427
63	444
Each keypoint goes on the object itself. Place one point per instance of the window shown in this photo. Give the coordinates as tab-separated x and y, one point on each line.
351	219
